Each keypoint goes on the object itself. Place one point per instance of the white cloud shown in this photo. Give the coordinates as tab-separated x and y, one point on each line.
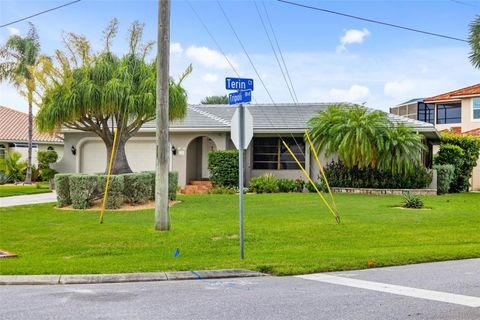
210	77
176	48
399	89
13	31
356	93
208	57
352	36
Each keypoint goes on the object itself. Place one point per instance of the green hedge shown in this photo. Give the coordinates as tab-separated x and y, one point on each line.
461	152
83	188
137	187
62	188
445	176
340	176
115	197
223	167
172	184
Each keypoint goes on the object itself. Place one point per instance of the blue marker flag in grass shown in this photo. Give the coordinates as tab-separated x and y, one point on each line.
176	253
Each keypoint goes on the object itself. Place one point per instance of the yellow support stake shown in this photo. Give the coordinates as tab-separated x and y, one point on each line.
337	217
321	169
108	174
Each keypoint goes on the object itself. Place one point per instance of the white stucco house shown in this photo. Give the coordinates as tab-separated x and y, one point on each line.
206	128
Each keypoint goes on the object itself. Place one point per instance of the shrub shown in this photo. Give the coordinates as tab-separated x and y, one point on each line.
462	152
223	167
62	187
137	187
445	176
320	184
223	190
266	183
13	167
3	177
411	200
286	185
45	158
83	188
115	196
340	176
172	184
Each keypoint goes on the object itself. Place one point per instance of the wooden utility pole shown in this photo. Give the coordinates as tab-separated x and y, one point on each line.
162	218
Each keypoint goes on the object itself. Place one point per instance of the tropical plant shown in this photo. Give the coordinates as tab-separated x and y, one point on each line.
411	200
474	40
13	168
364	138
94	92
19	57
215	100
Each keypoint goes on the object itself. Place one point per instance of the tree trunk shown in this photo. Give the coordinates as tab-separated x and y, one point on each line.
120	162
28	178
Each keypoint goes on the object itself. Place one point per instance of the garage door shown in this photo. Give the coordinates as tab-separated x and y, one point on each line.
140	155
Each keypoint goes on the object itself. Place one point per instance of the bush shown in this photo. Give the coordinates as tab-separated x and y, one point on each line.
223	190
172	184
340	176
286	185
115	196
445	176
462	152
320	184
83	188
223	167
411	200
62	187
3	177
137	187
266	183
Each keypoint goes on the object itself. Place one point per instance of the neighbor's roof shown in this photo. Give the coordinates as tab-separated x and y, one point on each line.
452	95
410	102
14	128
269	118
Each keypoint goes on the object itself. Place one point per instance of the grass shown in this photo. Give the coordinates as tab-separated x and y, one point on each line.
18	190
285	234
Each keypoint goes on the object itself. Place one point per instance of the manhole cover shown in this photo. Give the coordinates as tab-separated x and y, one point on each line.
6	254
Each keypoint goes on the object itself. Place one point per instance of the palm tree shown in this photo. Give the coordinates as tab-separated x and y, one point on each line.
474	39
19	55
97	92
215	100
12	166
353	132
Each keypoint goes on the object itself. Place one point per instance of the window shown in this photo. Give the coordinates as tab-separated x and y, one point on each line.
2	151
476	108
426	112
50	148
271	154
449	113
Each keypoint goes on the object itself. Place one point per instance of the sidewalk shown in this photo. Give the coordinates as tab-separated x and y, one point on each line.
28	199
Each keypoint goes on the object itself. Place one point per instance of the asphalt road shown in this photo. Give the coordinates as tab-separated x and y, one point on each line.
407	292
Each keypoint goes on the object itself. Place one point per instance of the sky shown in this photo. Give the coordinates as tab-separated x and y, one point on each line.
329	58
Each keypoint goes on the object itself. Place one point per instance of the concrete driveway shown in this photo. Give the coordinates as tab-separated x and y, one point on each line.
443	290
28	199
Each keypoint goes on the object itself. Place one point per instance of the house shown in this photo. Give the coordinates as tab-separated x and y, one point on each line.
207	128
457	111
14	136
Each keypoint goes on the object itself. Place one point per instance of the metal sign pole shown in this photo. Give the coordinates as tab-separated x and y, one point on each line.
241	129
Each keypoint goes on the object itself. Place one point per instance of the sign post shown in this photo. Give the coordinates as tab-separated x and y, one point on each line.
241	133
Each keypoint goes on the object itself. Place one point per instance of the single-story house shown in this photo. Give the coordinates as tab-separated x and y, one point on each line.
206	128
14	136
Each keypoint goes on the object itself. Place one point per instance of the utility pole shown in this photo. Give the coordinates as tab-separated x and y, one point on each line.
241	168
162	218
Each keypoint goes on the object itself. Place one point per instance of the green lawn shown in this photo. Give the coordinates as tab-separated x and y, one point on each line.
9	190
285	234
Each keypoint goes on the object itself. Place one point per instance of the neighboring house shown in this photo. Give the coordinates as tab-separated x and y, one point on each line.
457	111
207	128
14	136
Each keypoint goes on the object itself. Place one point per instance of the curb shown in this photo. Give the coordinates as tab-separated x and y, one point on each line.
126	277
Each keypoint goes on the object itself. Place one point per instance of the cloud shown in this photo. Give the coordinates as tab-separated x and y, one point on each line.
13	31
352	36
176	48
399	89
356	93
210	77
208	57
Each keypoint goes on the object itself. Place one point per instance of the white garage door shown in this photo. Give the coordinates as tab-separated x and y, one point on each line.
140	155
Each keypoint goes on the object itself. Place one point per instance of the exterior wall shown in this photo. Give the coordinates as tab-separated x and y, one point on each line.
407	110
475	181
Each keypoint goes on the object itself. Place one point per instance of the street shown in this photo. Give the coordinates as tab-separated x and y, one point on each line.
442	290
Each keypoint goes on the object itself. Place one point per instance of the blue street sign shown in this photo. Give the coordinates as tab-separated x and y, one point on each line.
239	84
240	97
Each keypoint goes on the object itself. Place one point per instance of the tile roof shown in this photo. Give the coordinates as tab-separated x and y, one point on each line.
473	132
468	91
14	127
268	117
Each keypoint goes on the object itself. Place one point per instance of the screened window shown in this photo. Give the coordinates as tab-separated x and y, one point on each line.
449	113
426	112
476	108
271	154
2	151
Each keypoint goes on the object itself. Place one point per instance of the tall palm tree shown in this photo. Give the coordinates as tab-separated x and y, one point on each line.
18	56
474	39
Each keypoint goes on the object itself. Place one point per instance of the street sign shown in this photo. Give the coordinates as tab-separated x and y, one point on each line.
239	84
240	97
247	128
